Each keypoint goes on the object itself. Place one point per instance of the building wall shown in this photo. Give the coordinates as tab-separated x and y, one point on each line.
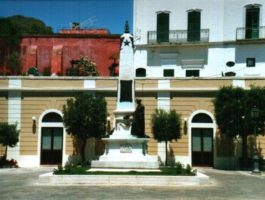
187	96
221	17
57	51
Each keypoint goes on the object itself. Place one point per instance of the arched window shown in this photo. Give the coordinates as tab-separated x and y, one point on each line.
140	72
163	27
202	118
52	117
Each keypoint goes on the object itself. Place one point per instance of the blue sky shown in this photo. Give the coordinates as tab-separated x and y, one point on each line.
110	14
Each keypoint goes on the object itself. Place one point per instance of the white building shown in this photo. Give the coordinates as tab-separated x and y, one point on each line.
205	38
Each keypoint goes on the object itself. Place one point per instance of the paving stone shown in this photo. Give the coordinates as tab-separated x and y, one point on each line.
226	185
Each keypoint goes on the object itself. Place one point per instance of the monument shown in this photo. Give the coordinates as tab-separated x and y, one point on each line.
122	148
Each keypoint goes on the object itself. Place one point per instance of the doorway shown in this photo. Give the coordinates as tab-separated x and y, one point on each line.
51	139
202	130
202	147
51	146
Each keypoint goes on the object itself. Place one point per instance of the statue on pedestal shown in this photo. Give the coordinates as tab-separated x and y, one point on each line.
138	124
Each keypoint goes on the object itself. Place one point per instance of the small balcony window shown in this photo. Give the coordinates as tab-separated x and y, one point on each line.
252	22
194	26
163	27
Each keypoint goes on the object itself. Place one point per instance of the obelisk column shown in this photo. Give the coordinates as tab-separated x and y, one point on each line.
126	94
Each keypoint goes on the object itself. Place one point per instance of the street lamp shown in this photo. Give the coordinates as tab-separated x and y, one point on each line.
255	115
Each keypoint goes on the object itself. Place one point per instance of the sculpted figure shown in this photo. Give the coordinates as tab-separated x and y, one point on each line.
138	124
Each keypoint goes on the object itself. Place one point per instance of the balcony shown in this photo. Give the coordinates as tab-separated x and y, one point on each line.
243	33
178	36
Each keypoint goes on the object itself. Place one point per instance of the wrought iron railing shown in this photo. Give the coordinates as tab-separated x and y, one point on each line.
178	36
243	33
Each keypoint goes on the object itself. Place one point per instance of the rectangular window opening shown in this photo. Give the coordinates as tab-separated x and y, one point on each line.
168	73
192	73
251	62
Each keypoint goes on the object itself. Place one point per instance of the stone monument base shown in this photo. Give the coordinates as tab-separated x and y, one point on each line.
126	153
124	150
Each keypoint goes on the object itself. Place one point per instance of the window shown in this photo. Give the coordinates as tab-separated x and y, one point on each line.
140	72
52	117
162	27
202	118
252	21
126	91
168	72
230	74
251	62
192	73
194	26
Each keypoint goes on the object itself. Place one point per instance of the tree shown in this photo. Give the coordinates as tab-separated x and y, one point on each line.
166	127
14	63
87	67
233	113
8	135
85	117
16	26
83	67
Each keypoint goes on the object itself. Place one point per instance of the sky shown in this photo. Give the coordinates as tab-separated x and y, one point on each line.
109	14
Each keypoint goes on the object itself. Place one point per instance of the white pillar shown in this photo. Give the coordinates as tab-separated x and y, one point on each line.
14	114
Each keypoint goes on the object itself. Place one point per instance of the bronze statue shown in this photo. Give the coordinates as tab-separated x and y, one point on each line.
138	124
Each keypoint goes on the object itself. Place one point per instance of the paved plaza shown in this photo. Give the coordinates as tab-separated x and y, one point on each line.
229	185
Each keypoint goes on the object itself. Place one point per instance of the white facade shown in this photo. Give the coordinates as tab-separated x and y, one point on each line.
222	38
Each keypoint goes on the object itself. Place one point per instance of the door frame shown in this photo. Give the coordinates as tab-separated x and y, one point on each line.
201	125
202	152
51	125
52	150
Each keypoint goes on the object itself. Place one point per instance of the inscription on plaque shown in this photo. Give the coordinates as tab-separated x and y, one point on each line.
125	148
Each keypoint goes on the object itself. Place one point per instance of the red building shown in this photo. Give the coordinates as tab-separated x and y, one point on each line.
57	51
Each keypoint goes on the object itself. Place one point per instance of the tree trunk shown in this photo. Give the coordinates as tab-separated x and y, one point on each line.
244	150
83	150
166	162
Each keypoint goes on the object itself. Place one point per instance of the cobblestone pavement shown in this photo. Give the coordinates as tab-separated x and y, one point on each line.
228	185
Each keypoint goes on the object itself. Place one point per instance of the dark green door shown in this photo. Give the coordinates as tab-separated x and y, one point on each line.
51	146
163	27
252	23
194	26
202	147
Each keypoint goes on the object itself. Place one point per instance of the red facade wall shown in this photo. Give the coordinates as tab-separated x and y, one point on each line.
57	51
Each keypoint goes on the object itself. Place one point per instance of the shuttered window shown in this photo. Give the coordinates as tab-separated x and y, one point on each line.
163	27
252	22
194	26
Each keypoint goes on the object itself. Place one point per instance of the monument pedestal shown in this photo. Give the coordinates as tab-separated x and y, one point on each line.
124	150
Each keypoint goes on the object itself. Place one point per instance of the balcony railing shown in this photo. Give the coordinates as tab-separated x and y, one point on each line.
250	33
178	36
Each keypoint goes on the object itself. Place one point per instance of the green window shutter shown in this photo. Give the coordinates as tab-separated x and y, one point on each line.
163	27
194	26
252	22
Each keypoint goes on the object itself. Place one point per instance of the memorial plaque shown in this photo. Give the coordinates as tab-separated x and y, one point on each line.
125	148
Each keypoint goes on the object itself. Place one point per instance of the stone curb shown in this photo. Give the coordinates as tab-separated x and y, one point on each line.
128	180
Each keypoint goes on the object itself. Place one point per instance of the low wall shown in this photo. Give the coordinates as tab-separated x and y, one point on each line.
128	180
